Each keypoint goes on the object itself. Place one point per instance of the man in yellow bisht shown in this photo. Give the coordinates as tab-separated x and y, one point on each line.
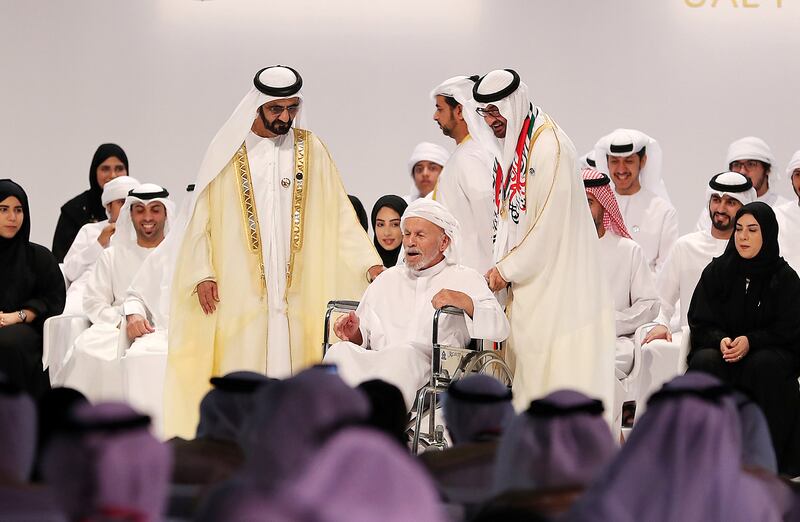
270	239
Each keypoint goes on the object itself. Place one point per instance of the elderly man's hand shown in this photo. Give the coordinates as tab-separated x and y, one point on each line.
138	326
347	328
208	295
455	298
495	280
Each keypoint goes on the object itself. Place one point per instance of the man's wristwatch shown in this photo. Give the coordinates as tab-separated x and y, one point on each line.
22	315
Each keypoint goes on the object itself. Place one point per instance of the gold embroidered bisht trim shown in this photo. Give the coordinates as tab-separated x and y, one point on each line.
298	198
249	214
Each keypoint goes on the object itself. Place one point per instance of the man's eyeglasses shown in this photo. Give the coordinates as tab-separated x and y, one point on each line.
277	110
494	112
747	165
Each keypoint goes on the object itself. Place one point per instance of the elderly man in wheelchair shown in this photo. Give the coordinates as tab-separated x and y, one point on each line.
389	334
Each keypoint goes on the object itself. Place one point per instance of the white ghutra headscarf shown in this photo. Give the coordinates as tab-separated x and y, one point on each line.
625	142
146	194
437	214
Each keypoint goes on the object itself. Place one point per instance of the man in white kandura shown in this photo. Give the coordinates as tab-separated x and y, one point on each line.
425	165
788	216
633	161
271	239
630	280
546	250
91	240
146	310
389	336
726	193
465	184
751	157
140	228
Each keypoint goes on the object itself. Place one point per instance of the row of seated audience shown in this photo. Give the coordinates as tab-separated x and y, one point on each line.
700	452
93	366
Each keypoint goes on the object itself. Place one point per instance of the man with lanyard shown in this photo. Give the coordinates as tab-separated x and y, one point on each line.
545	251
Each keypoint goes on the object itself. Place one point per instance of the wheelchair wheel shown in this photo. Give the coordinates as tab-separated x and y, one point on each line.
489	363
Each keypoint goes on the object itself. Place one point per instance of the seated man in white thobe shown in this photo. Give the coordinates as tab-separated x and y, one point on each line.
788	216
727	192
389	336
91	240
633	160
751	157
465	184
140	227
146	310
630	279
425	165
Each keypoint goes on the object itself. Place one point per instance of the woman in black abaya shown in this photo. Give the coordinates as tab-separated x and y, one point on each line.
388	238
745	325
31	290
109	162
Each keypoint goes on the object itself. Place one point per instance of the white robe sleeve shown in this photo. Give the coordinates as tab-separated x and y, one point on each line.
643	297
668	285
98	297
82	254
488	320
372	332
134	305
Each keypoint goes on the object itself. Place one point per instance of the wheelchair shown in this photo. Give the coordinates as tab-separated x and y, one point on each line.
448	364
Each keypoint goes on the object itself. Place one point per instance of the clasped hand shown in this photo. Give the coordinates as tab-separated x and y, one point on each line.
734	350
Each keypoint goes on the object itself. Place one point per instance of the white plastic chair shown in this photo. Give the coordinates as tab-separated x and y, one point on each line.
58	337
627	389
143	379
661	362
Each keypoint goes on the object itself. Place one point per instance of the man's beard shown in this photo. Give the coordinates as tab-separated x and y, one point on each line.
722	227
279	127
421	262
446	130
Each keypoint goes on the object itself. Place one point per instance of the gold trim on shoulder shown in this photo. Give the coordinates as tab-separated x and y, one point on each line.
249	214
301	161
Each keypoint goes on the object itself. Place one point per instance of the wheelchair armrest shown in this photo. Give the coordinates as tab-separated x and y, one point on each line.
334	306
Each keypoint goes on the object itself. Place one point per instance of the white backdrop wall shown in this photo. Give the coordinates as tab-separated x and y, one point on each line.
159	77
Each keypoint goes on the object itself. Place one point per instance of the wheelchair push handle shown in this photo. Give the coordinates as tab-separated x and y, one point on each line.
335	306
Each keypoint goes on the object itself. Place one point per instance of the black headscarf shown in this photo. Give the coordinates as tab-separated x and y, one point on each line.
740	283
93	201
399	205
14	258
360	212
